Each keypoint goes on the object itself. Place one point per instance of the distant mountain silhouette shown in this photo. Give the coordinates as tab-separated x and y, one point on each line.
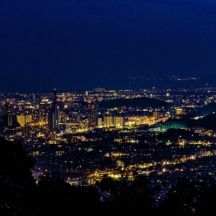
141	102
207	122
202	111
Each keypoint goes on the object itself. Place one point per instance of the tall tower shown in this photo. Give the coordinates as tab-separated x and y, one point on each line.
53	119
92	114
8	118
2	122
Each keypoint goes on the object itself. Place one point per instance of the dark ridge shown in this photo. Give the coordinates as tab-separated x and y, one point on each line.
207	122
202	111
141	102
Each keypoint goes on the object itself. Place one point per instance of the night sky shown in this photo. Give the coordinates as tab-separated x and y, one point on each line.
82	44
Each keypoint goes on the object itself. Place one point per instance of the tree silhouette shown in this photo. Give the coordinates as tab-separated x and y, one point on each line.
21	196
207	201
182	199
127	198
16	182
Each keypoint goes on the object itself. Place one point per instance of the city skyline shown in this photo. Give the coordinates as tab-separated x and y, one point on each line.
107	106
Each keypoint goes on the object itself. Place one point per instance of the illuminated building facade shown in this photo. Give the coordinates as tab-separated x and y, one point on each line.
156	115
111	121
108	121
100	122
178	111
23	120
119	122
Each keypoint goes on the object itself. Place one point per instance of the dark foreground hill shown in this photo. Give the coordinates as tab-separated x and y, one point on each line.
141	102
21	196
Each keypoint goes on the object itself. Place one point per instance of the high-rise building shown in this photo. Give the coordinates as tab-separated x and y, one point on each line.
92	114
156	116
44	109
1	121
108	121
7	118
119	122
100	123
23	120
53	120
111	121
10	121
178	111
29	119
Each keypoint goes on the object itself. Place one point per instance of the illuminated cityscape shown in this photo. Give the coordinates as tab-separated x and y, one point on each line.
85	136
107	107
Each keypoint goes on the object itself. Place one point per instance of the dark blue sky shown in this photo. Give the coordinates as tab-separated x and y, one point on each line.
81	44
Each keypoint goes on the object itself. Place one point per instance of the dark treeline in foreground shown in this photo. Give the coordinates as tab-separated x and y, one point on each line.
20	195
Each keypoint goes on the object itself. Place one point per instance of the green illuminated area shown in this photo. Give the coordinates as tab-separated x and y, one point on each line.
167	126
